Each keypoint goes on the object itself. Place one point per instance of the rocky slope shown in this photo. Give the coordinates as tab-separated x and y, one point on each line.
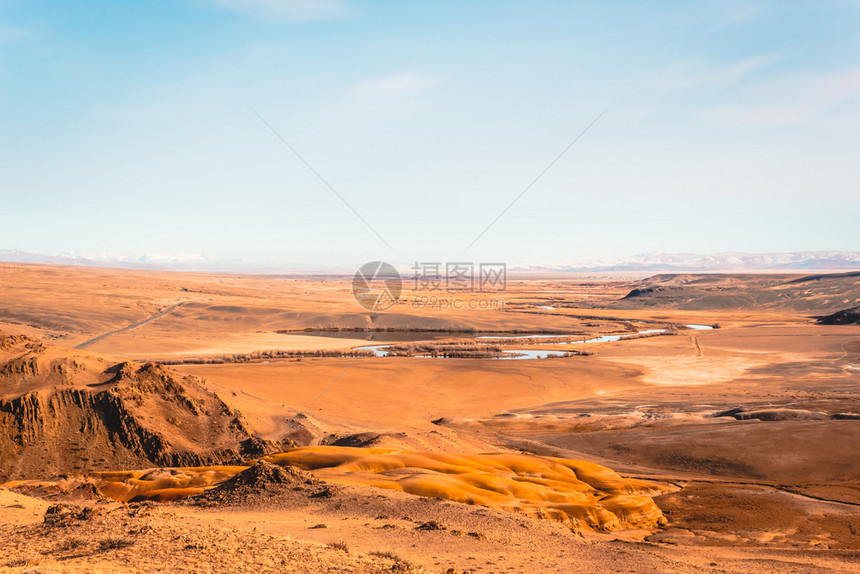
65	411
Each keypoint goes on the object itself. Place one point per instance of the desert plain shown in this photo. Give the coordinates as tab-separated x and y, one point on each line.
180	422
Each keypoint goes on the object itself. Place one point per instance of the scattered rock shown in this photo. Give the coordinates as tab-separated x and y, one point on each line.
730	412
430	525
476	535
66	515
780	415
326	492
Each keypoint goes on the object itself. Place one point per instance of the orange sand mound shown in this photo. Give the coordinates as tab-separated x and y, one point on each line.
583	495
162	484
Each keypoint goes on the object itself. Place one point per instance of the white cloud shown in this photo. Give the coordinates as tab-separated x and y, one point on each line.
397	85
289	10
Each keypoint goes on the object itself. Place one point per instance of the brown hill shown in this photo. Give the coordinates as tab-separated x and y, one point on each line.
720	291
844	317
63	411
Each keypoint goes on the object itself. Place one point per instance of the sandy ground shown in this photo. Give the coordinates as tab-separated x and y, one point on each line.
359	530
775	493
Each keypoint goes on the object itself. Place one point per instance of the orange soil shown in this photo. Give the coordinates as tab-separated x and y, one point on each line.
580	494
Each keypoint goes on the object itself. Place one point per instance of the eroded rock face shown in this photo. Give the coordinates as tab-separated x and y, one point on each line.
65	411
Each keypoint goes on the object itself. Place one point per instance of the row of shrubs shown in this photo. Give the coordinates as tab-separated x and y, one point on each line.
263	355
455	349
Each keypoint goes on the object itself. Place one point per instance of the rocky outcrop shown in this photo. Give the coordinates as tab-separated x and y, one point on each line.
641	292
844	317
128	415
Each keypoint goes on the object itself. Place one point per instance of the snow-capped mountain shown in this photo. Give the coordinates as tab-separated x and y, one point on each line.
652	262
730	261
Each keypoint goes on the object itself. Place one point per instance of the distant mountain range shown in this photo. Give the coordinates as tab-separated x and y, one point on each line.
153	262
730	261
160	262
652	262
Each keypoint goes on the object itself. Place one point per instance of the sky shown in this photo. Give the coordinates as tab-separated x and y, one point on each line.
334	132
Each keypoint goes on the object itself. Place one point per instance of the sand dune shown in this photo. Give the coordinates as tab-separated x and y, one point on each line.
582	495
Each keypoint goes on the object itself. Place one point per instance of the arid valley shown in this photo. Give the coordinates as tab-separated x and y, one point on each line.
165	421
472	287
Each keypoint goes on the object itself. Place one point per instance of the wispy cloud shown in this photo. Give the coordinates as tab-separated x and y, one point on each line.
695	75
731	13
294	11
397	85
797	99
742	69
384	98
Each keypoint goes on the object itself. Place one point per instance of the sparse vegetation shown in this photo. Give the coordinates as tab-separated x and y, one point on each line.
368	330
449	349
520	341
115	543
567	354
70	543
386	554
400	565
29	560
668	333
264	356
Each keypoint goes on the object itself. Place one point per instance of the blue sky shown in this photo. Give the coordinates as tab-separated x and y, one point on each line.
131	128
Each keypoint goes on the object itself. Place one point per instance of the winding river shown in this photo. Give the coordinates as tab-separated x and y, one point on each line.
525	354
